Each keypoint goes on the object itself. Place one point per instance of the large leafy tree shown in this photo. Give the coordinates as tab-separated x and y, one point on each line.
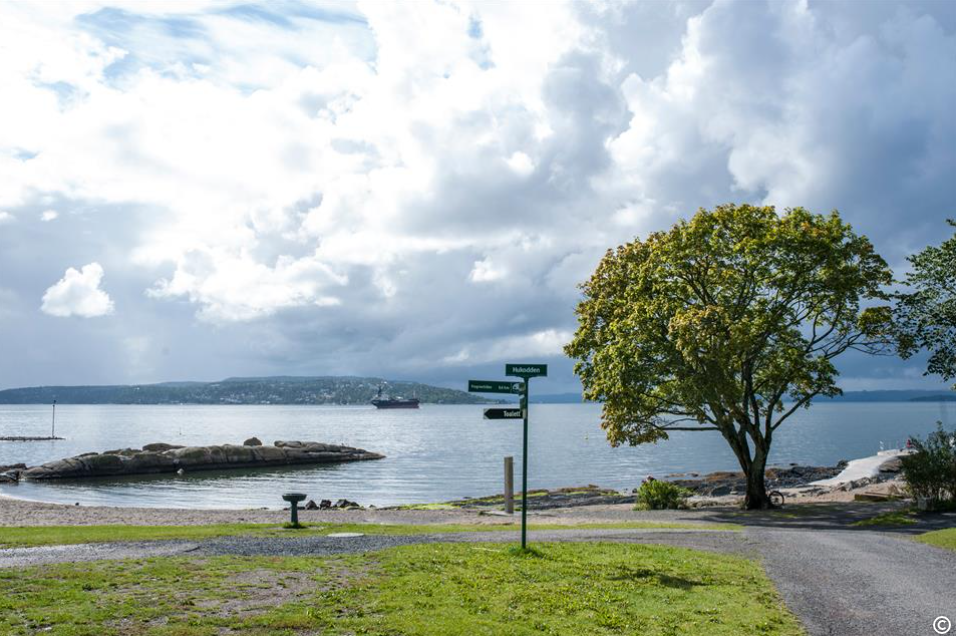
926	315
729	322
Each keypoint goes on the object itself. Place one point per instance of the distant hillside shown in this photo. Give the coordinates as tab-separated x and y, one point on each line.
951	397
277	390
893	396
849	396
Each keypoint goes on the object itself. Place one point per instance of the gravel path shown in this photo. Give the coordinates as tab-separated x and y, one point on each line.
847	583
731	542
20	512
27	557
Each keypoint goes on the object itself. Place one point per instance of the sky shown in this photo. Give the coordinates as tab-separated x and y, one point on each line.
198	190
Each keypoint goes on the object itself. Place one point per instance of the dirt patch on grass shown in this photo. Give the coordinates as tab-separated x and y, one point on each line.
254	592
259	590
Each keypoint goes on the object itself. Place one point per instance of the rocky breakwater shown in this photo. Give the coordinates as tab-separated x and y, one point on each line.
168	458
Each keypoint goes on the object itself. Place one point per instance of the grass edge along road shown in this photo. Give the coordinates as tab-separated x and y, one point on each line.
945	538
33	536
417	590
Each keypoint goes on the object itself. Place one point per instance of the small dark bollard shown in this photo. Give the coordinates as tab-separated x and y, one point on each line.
294	498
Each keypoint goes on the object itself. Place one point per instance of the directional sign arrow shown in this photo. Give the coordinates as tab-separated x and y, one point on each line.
526	370
493	386
503	414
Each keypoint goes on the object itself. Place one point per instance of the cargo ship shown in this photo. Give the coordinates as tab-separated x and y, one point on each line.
385	402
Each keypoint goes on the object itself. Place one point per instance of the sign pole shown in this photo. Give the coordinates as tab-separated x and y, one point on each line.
524	468
525	372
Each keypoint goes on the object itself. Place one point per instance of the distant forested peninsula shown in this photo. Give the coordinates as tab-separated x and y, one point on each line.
895	396
848	396
345	390
270	390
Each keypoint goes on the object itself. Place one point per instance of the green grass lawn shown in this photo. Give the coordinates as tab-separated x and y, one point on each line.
63	535
420	590
893	518
940	538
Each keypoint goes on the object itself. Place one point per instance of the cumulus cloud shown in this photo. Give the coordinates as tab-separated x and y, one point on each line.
78	293
49	215
308	173
6	217
773	103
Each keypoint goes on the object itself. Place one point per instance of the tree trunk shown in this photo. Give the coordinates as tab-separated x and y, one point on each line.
757	498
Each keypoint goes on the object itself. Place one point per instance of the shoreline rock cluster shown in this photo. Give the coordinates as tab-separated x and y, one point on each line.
326	504
170	458
733	483
721	484
543	499
708	486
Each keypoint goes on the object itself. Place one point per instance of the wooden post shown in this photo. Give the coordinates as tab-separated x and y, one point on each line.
510	485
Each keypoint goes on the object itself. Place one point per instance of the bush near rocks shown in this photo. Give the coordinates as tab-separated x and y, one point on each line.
930	471
661	495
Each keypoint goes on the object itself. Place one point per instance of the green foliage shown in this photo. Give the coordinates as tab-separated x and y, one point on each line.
892	518
926	316
717	323
930	472
661	495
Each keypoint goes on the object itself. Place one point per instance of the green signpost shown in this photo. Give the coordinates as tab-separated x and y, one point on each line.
493	386
525	372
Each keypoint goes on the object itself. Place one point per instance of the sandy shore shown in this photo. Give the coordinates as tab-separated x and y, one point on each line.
17	512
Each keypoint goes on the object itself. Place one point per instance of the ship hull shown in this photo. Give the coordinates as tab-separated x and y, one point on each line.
395	404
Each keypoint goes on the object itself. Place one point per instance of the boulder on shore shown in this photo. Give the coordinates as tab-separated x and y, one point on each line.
167	458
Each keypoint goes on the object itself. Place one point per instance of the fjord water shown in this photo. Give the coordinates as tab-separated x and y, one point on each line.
433	454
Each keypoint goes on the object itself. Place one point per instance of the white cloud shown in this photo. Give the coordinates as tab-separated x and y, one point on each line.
521	163
406	197
547	343
771	103
485	271
233	287
49	215
78	293
6	217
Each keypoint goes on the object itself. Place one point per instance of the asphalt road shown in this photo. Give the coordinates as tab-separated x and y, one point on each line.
838	582
849	583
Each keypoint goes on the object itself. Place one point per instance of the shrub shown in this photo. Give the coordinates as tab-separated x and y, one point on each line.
930	471
661	495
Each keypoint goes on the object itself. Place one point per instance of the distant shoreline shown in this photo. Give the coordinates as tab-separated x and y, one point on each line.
339	391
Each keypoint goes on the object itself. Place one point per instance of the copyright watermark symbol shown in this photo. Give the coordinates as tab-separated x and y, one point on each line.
942	625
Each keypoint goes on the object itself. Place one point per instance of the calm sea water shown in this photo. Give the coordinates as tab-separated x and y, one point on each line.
434	454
